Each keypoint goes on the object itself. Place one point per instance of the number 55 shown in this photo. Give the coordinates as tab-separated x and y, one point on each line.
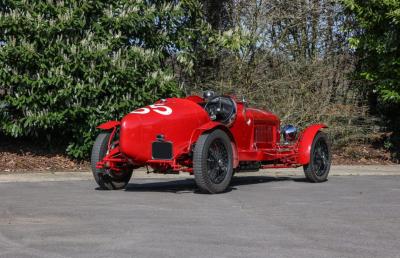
158	108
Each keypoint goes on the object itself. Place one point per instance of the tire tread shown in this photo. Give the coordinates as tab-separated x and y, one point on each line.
200	164
310	175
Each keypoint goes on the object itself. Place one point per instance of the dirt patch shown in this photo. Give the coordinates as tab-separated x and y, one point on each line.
362	155
11	162
379	150
27	155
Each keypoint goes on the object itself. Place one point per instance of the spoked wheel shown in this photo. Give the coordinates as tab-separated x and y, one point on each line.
217	161
212	162
320	159
106	178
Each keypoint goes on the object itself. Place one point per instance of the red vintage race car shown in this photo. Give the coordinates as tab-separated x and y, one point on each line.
211	137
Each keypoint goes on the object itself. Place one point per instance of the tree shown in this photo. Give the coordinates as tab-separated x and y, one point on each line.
295	61
66	66
376	41
216	13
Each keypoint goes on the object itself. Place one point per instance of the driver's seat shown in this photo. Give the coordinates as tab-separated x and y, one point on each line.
220	108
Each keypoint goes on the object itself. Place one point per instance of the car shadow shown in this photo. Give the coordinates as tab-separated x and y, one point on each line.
189	185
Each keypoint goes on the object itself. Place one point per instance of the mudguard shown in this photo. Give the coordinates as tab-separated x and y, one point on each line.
109	125
305	141
213	126
199	131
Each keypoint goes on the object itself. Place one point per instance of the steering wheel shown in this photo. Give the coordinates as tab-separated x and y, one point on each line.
222	109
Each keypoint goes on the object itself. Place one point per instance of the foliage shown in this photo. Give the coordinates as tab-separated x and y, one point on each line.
67	66
293	58
377	44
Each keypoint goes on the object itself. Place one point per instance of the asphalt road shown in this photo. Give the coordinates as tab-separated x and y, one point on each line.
259	217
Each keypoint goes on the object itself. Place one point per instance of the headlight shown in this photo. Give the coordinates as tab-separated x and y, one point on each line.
289	133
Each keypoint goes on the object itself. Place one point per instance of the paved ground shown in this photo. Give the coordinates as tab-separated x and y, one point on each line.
361	170
348	216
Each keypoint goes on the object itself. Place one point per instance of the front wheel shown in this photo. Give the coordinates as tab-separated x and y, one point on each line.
213	162
106	178
317	169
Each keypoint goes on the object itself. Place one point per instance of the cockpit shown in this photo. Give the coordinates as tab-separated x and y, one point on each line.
220	108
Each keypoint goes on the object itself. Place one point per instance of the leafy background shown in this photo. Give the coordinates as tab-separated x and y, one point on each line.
67	66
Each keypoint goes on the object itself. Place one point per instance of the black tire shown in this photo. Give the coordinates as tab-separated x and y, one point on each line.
213	162
320	159
107	180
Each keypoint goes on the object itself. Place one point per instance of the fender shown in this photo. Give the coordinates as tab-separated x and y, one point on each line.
212	126
109	125
305	141
200	130
209	126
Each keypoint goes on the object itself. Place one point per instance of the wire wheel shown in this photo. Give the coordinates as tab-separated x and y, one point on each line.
321	157
213	162
217	161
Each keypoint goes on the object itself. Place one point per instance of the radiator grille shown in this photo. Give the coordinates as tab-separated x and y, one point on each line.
262	134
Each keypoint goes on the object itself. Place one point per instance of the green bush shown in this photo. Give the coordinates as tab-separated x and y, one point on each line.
67	66
377	45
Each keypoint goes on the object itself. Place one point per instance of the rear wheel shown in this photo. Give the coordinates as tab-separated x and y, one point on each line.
320	159
106	178
213	162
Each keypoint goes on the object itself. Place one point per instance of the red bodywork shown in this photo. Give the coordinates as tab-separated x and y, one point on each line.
255	136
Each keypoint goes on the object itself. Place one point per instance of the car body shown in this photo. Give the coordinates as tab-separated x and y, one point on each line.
164	137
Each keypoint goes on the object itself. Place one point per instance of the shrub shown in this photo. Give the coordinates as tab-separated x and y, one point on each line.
66	66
